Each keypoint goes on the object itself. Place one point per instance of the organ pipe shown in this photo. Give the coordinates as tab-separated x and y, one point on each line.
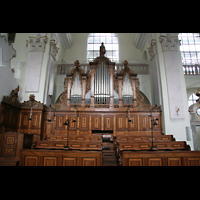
102	85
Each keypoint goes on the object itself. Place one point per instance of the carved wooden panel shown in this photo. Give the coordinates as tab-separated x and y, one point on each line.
60	120
108	122
50	161
9	147
25	121
96	122
84	122
10	139
144	122
135	162
69	162
14	119
193	161
121	122
89	161
174	161
133	125
31	160
72	125
155	161
35	120
49	128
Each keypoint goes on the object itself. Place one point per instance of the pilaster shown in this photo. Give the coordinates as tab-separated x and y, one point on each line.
133	78
111	86
120	89
69	79
36	59
92	85
83	89
173	89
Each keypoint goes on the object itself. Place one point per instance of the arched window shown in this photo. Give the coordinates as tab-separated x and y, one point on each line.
110	41
192	99
190	48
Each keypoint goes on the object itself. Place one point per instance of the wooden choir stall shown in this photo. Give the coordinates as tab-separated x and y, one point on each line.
100	119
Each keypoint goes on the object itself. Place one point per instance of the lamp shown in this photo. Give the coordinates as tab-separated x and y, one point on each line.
49	120
129	117
74	114
153	123
67	124
30	118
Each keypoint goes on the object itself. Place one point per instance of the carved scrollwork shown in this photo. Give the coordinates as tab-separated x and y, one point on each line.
169	43
12	99
32	103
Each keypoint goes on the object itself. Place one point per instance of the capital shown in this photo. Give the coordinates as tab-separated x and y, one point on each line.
169	43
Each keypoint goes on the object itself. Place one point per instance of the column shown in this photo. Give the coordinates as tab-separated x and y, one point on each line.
133	78
69	78
83	89
120	89
173	88
92	85
112	66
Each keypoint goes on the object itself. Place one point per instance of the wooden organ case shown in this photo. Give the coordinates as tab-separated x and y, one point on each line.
96	116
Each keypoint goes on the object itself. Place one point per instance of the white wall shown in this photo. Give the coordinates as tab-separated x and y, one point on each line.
7	80
20	65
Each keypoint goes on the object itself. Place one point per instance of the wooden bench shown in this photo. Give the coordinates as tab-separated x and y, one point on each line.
142	146
146	138
79	145
44	157
160	158
74	137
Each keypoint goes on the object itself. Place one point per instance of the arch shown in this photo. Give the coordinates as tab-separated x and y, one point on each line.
110	41
144	56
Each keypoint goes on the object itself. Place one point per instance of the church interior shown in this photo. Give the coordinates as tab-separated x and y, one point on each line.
99	99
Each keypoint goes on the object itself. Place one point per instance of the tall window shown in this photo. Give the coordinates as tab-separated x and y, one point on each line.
190	48
110	41
192	99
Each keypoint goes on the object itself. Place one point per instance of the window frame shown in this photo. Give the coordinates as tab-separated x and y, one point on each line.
110	40
190	48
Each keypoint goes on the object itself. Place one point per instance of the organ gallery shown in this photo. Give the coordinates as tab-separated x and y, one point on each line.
100	119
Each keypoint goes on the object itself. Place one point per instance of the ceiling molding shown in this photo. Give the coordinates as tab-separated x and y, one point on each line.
66	40
140	40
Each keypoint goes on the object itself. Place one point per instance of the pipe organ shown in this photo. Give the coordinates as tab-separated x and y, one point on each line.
100	110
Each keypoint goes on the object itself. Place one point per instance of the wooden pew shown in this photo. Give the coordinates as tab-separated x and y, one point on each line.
146	138
74	138
141	143
41	157
160	158
79	145
137	146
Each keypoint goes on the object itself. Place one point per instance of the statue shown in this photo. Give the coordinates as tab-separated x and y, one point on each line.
102	50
